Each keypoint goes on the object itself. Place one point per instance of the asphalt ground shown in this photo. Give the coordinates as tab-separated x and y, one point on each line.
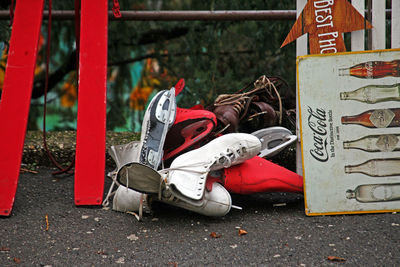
278	233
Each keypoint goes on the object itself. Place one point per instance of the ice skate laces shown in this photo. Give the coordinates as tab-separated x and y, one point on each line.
224	159
230	155
113	176
110	193
240	101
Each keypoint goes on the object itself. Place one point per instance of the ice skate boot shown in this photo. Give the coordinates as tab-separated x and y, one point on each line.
125	199
216	202
187	174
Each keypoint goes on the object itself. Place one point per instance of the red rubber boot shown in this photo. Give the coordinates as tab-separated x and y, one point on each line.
258	175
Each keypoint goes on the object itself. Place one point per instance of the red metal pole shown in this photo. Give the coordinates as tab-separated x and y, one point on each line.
16	96
91	121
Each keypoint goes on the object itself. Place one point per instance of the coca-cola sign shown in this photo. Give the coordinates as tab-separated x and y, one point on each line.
317	123
349	119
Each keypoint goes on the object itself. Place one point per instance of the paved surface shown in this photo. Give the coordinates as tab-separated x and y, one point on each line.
277	235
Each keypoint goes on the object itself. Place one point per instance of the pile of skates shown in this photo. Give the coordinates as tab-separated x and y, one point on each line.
194	158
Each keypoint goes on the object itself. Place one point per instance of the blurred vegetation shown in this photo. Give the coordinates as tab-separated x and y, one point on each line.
147	56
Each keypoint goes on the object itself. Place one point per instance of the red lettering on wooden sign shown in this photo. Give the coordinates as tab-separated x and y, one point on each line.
325	21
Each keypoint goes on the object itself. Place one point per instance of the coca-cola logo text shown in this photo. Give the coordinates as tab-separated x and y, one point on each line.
317	123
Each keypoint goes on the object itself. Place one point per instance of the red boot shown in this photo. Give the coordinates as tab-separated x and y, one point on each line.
258	175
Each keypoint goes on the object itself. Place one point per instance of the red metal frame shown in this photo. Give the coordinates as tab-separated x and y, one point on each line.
16	96
91	121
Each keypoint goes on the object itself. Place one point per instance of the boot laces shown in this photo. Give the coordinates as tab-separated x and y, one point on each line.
110	193
241	101
225	158
229	156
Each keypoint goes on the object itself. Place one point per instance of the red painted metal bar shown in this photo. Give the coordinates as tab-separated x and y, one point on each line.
16	96
91	121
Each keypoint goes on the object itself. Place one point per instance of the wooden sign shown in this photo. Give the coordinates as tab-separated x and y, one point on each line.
325	21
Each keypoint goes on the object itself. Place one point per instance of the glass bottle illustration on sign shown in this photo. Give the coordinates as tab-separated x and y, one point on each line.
375	193
373	93
373	69
375	118
375	143
376	167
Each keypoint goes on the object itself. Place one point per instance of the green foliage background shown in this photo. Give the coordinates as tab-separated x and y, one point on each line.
214	57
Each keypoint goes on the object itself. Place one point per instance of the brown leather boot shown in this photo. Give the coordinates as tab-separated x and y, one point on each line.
249	110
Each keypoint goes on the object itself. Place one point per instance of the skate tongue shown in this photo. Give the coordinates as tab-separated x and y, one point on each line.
124	154
139	177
